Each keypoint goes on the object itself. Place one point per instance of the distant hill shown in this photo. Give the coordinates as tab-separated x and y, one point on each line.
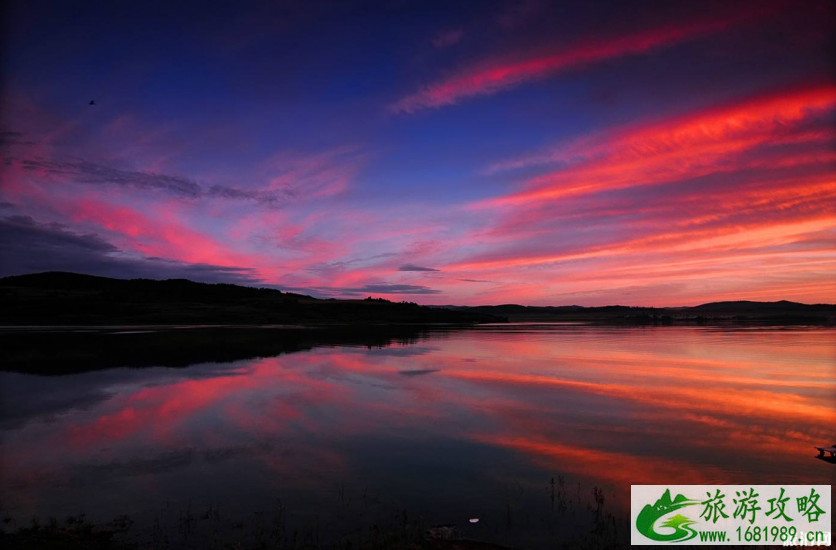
58	298
748	306
781	312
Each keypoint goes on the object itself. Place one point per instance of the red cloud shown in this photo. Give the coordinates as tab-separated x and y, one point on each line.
495	75
688	147
731	202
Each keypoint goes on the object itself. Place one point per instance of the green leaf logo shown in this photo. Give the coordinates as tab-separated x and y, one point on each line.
680	524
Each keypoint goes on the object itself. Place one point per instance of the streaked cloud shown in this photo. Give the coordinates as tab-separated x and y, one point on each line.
398	289
411	267
491	76
11	138
710	141
29	246
677	154
740	190
364	290
84	171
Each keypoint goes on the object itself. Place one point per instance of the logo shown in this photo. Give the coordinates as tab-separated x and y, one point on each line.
681	524
730	514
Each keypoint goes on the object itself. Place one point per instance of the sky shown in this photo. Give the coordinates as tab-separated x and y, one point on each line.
520	151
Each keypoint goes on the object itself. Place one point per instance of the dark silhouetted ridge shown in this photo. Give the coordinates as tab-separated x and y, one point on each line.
57	298
746	305
776	313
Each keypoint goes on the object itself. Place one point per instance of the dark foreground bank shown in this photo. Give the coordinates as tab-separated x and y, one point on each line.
568	517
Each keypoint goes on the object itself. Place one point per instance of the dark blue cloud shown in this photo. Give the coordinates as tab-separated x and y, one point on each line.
411	267
28	246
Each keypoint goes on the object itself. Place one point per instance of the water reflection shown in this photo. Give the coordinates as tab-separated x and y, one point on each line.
442	423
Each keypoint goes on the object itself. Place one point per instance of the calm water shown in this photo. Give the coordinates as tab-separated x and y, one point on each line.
448	426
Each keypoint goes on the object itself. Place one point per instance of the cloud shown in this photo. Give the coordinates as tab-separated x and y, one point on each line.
411	267
495	75
332	267
9	137
84	171
23	230
722	139
322	174
418	372
733	201
365	290
28	246
268	198
447	38
398	289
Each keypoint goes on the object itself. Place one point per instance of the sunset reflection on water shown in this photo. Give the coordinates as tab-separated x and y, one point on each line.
442	426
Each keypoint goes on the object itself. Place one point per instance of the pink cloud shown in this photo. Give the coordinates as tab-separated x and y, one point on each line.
735	201
495	75
163	234
690	146
311	176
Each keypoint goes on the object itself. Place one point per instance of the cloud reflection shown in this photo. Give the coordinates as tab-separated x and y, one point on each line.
572	401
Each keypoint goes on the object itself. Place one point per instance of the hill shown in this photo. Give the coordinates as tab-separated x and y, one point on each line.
775	313
58	298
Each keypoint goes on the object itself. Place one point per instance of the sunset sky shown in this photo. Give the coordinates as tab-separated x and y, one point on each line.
546	153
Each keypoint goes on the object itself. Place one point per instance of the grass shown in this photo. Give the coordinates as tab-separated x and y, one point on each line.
571	518
568	519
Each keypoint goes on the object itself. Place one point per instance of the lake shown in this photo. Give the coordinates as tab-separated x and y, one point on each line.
517	425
